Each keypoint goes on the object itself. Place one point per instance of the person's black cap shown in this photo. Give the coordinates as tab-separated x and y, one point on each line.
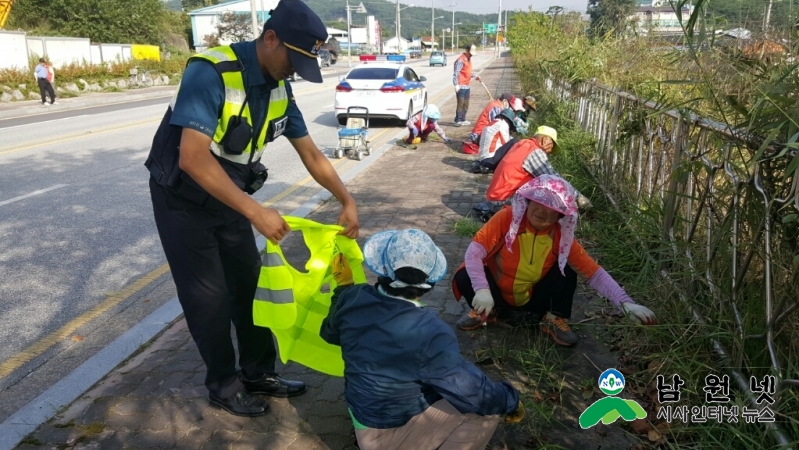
303	33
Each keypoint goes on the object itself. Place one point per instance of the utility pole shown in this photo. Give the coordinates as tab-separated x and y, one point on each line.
254	19
433	26
396	28
452	35
349	36
499	22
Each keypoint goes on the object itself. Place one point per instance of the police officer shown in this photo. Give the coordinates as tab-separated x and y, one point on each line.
205	159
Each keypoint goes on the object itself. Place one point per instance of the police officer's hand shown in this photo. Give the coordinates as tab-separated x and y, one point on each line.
269	223
349	219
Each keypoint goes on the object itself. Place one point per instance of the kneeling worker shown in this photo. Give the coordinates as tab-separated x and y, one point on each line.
419	394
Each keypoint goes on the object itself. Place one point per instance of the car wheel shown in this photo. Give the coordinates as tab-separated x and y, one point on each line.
425	101
342	120
410	111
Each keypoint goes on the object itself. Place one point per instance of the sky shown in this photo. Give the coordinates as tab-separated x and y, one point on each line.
491	6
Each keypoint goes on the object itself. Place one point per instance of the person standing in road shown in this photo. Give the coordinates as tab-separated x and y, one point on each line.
45	76
462	79
206	157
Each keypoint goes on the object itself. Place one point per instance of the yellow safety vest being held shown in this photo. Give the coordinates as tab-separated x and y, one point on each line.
291	303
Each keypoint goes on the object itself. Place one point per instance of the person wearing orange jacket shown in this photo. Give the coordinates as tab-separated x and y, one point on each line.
526	258
462	79
489	114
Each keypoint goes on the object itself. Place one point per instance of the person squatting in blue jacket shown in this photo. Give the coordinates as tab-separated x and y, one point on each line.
406	384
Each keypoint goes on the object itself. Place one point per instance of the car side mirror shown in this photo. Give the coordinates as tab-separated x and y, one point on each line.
422	78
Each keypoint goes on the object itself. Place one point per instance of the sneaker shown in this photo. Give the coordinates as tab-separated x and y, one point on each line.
558	329
465	123
54	103
45	105
473	321
458	124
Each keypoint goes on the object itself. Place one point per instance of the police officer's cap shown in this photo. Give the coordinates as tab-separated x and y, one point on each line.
303	33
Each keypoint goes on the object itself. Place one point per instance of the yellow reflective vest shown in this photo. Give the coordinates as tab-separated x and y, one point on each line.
293	303
235	95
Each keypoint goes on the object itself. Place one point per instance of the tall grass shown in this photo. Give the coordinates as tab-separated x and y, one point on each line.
710	79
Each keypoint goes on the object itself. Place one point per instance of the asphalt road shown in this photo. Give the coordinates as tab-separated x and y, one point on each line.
75	215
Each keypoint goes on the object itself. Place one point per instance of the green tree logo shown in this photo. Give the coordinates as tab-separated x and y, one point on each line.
609	409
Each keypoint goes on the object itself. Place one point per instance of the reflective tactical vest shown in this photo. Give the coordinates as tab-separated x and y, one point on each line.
163	161
235	94
291	303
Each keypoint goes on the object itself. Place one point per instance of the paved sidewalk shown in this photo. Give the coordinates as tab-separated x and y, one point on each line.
157	398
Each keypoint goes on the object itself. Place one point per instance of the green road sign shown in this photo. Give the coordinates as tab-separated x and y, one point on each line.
490	28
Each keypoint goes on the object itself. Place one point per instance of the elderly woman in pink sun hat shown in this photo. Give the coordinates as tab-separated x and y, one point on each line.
527	259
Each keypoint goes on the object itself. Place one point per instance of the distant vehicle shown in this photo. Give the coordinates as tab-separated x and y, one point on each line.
334	48
438	58
413	54
390	90
324	58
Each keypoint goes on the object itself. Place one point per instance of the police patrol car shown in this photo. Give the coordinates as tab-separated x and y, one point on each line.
388	87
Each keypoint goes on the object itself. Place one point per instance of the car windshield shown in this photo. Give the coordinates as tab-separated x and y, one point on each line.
373	73
323	52
437	54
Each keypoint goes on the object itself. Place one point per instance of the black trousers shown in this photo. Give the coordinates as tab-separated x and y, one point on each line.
553	293
492	162
215	264
46	87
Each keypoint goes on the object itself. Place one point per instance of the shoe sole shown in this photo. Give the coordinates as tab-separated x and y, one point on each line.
272	394
218	405
476	326
547	331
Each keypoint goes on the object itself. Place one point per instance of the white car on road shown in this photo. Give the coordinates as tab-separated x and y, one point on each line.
390	90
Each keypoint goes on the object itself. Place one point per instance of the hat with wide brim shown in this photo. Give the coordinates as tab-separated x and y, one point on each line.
550	133
388	251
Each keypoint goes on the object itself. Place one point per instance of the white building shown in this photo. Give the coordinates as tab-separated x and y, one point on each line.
658	17
390	46
205	20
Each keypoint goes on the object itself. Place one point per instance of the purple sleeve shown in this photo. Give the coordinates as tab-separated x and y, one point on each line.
607	287
440	131
474	265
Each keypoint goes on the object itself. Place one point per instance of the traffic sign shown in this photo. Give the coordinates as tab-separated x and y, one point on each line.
490	28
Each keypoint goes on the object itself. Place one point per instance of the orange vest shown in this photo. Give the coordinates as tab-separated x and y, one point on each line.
509	174
534	255
482	121
465	76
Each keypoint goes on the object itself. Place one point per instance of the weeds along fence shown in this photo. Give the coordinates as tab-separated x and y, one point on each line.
722	210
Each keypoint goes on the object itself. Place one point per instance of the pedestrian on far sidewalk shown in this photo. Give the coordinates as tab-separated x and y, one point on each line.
462	79
45	77
204	164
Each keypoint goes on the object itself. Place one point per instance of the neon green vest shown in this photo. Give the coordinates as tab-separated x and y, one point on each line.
235	95
291	303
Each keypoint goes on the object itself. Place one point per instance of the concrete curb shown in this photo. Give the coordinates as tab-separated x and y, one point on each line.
91	100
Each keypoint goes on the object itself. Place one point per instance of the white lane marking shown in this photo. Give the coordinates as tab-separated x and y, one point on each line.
40	191
43	122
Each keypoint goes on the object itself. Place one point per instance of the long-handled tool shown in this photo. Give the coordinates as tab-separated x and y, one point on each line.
491	97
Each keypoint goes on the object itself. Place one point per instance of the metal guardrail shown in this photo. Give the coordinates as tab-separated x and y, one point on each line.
717	212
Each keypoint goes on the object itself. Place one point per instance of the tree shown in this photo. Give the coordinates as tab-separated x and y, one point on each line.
190	5
610	15
234	27
122	21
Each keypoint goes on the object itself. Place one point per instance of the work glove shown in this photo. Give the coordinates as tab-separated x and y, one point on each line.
342	272
515	416
483	302
457	89
639	313
447	141
584	203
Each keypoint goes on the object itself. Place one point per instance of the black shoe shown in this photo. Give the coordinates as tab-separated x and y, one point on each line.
241	404
274	386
